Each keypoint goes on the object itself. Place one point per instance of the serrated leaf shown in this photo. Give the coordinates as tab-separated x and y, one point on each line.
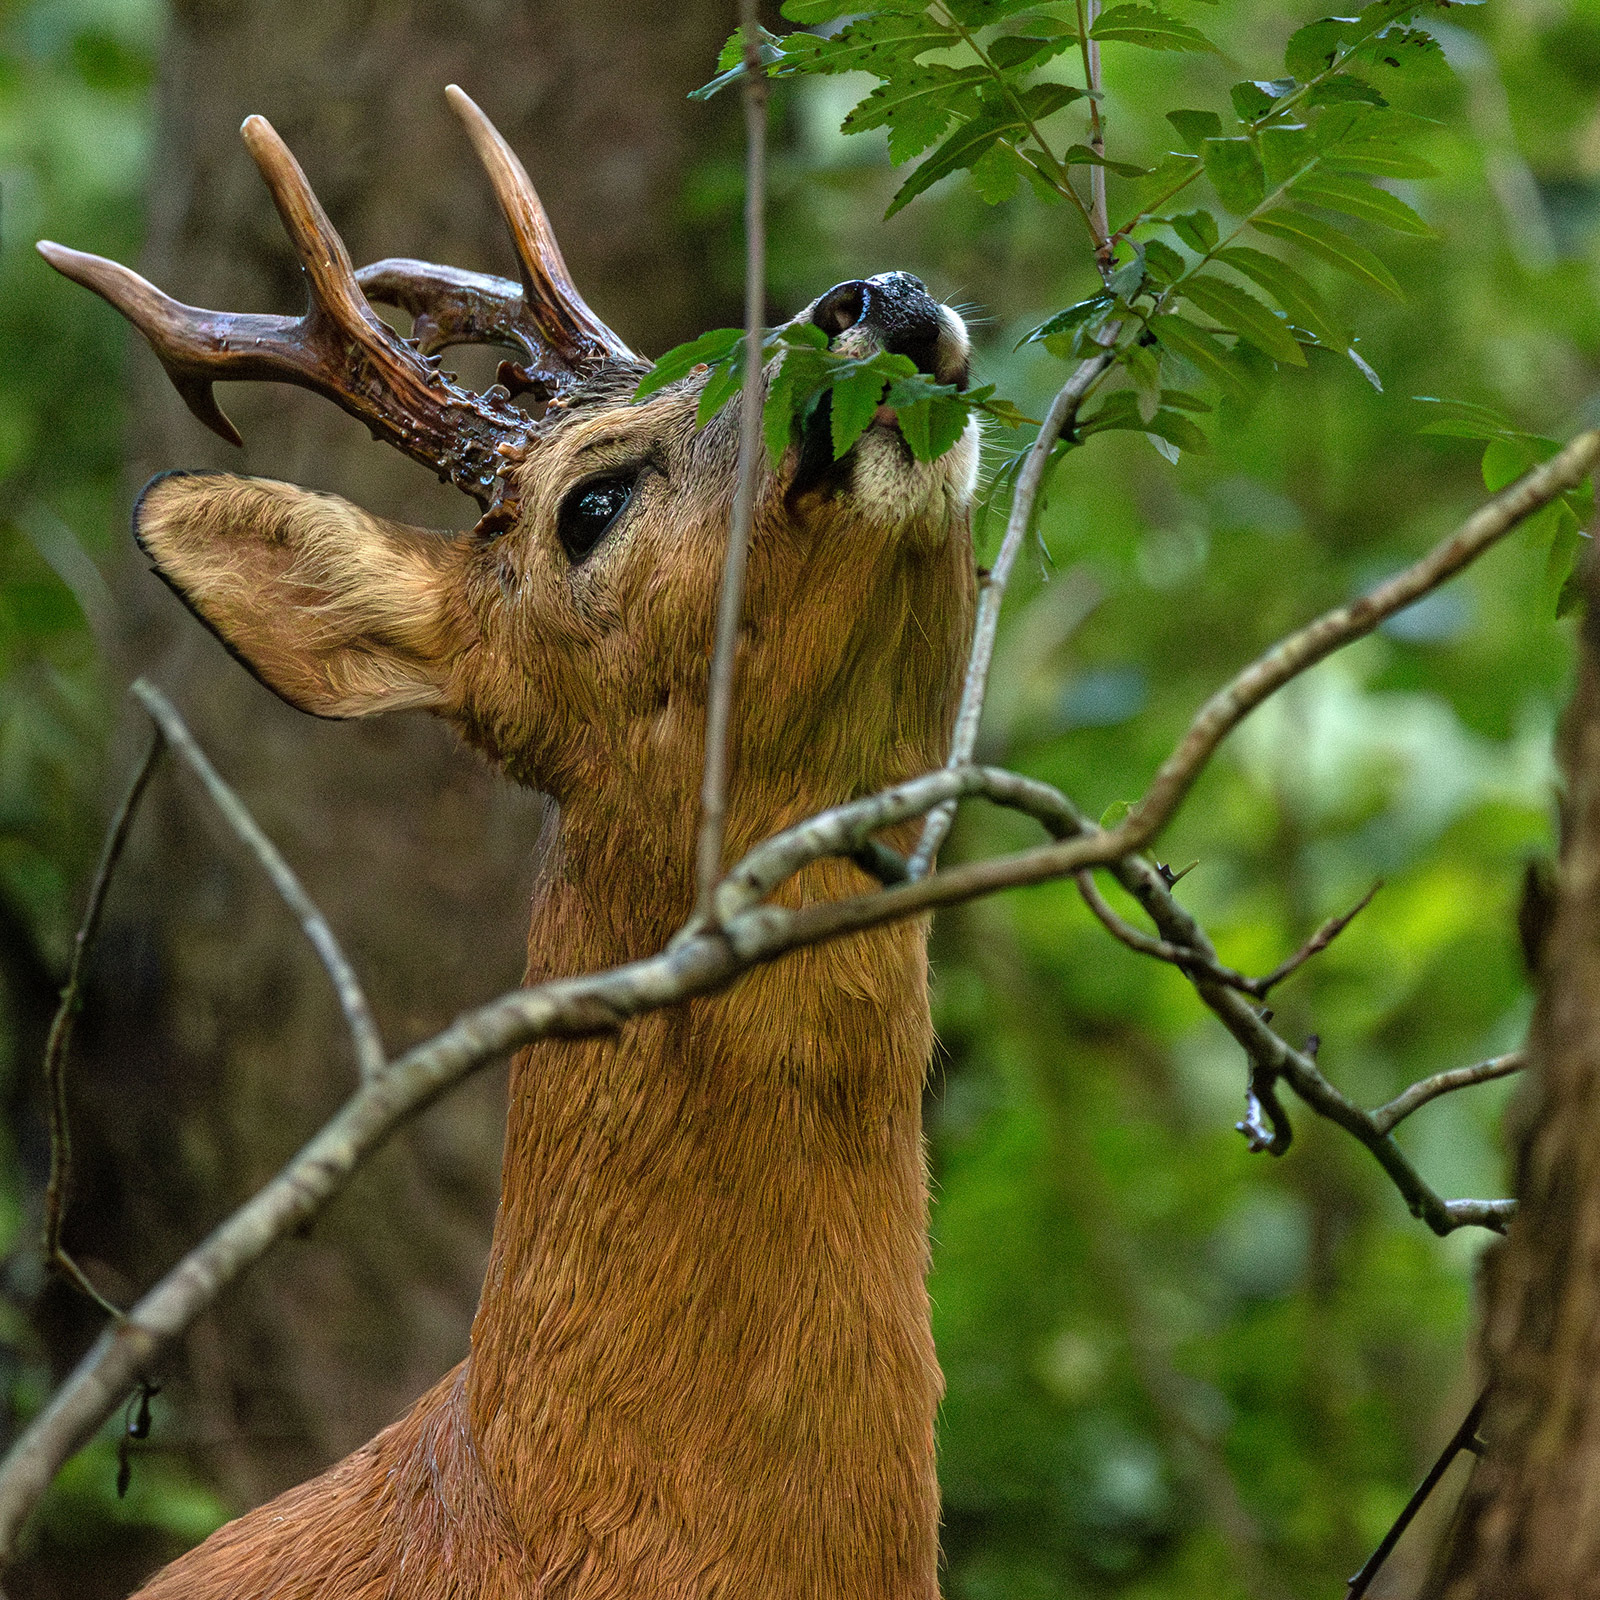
1255	99
1285	149
880	44
1335	192
1081	155
1343	89
1182	400
1314	48
1239	311
1143	368
1235	173
1119	409
1197	229
777	415
1043	99
1200	349
970	141
1128	279
1074	316
1155	30
1006	413
1323	240
1023	52
855	398
930	426
1162	263
1194	128
916	106
810	12
997	173
1177	429
710	348
1303	304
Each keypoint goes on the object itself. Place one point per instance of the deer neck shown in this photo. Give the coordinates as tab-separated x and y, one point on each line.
702	1362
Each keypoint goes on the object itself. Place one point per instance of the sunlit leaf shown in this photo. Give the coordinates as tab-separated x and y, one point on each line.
1304	305
1143	25
1240	311
1322	239
1354	198
1235	173
681	360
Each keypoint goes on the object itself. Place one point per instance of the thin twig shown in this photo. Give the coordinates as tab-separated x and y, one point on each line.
364	1034
1058	419
58	1189
724	656
1315	945
1397	1110
1464	1438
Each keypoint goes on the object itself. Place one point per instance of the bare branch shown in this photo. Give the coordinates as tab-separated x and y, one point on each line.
369	1049
1268	673
1397	1110
58	1189
1058	419
719	699
1188	961
1315	945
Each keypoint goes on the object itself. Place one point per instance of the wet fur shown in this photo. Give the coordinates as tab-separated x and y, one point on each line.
702	1363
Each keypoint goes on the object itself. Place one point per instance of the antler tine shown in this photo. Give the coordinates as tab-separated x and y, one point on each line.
551	300
339	347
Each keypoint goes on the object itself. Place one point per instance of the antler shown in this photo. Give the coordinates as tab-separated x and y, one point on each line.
340	347
546	318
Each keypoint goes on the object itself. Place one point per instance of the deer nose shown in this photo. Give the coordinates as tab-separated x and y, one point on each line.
906	318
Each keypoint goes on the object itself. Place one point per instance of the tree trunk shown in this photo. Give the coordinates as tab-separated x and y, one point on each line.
212	1047
1529	1525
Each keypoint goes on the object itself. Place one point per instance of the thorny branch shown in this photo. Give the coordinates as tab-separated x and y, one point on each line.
719	699
370	1056
58	1189
707	956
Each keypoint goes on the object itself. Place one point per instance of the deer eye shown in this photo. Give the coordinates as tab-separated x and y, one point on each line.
588	512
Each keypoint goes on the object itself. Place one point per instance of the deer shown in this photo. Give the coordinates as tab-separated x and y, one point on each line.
702	1363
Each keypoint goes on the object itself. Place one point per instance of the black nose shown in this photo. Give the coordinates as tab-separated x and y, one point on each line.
895	305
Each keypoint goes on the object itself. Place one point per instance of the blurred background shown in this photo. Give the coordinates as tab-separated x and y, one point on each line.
1175	1369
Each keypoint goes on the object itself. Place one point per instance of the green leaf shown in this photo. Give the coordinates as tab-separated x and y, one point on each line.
1197	229
1314	48
1018	52
856	396
916	106
730	62
777	416
1162	264
882	44
1285	149
1203	352
970	141
1304	305
1043	99
1181	400
1155	30
1194	128
1235	173
1177	429
1240	311
1119	409
1322	239
721	386
1344	89
1085	312
997	173
810	12
1143	368
1357	199
681	360
930	426
1128	279
1505	460
1464	419
1256	99
1080	155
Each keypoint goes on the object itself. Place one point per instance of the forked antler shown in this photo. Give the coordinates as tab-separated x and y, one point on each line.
343	350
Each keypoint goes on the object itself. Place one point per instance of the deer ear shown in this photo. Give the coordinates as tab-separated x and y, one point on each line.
339	612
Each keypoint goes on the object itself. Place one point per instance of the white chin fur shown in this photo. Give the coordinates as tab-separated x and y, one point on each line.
890	485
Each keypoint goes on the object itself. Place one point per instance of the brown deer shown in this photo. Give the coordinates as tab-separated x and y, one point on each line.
702	1363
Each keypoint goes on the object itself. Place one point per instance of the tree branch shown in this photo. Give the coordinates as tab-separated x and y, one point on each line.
58	1189
724	656
1388	1116
370	1055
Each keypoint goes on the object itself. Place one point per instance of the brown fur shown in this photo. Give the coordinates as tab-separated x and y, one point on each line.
702	1364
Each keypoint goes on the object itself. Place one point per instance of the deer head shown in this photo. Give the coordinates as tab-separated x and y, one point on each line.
568	633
